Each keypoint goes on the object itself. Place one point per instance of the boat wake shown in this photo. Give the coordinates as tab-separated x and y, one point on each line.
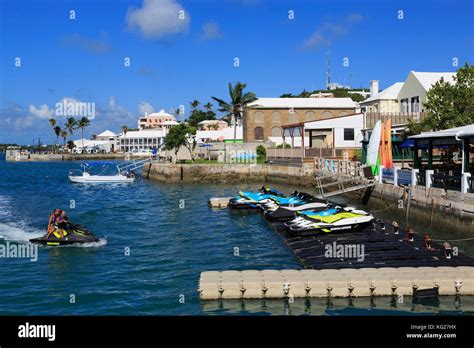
102	242
15	233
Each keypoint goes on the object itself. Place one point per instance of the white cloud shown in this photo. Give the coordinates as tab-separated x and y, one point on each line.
42	111
211	31
331	31
145	107
158	18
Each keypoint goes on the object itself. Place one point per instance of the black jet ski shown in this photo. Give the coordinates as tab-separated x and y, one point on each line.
73	234
286	213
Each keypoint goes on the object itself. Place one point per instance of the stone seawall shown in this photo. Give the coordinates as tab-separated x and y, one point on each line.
231	173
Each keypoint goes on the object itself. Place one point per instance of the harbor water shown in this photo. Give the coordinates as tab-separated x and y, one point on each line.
155	239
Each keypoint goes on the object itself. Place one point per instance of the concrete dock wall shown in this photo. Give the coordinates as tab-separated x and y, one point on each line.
346	282
231	173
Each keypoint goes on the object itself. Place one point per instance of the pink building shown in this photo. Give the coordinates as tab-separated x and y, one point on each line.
212	125
156	120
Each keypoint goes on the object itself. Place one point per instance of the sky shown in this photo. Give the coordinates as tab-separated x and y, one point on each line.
131	57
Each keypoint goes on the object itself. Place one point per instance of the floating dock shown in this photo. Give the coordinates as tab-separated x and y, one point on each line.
346	282
380	262
219	202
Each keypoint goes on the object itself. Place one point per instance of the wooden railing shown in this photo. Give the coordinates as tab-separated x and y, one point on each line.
352	168
397	118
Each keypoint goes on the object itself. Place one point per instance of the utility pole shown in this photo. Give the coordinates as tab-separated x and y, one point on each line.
328	73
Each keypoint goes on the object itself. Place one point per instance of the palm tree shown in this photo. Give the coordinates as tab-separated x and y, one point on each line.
70	125
64	136
208	106
238	100
52	123
57	131
83	123
124	130
194	104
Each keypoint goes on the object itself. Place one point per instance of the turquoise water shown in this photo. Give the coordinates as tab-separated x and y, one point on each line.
172	236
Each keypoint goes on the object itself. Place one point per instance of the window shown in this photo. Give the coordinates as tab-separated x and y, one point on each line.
415	104
276	117
404	105
348	134
293	116
258	133
258	117
326	114
277	132
309	116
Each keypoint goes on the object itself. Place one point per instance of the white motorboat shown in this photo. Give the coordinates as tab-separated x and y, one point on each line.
85	176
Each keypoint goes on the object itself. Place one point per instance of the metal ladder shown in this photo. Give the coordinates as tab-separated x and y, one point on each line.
133	165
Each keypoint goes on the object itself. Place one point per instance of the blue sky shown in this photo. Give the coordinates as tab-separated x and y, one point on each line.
175	60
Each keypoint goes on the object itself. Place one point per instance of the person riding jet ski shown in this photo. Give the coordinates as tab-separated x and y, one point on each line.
61	231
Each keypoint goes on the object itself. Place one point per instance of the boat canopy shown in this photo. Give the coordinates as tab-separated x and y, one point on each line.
97	164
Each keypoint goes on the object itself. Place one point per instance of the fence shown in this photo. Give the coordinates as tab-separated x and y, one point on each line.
397	118
336	166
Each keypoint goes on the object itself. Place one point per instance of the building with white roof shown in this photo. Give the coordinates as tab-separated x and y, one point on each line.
385	101
265	117
212	125
106	135
412	95
225	134
155	120
87	145
140	141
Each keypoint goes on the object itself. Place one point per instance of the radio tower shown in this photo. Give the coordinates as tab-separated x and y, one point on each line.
328	73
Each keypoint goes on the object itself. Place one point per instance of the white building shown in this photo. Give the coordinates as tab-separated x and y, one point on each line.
412	95
93	146
206	136
106	135
140	141
385	101
337	132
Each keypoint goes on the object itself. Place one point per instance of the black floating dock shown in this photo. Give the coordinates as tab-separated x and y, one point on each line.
382	248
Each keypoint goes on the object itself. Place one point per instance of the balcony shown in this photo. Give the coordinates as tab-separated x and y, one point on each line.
398	118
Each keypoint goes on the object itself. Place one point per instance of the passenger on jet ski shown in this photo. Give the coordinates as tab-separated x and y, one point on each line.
62	232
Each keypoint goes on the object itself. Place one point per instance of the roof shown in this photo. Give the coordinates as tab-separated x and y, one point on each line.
160	113
144	134
107	133
212	121
226	133
304	103
89	142
427	79
390	92
349	121
460	132
168	123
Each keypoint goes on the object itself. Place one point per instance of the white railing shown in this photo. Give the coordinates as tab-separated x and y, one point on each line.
336	166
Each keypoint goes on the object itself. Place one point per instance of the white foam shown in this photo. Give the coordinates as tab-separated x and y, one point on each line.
9	231
100	243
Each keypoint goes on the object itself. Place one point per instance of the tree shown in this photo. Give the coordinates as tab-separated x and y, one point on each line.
83	123
208	106
448	105
71	125
124	130
181	135
238	100
64	136
52	123
94	136
194	104
57	131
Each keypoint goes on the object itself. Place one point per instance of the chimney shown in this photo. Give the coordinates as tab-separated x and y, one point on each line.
374	88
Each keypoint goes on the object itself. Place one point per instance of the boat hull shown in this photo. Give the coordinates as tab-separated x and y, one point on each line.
101	179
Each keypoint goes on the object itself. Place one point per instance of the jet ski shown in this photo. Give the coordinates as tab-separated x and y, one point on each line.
282	213
337	219
73	234
251	200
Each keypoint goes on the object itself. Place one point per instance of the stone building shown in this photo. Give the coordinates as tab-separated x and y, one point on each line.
265	117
